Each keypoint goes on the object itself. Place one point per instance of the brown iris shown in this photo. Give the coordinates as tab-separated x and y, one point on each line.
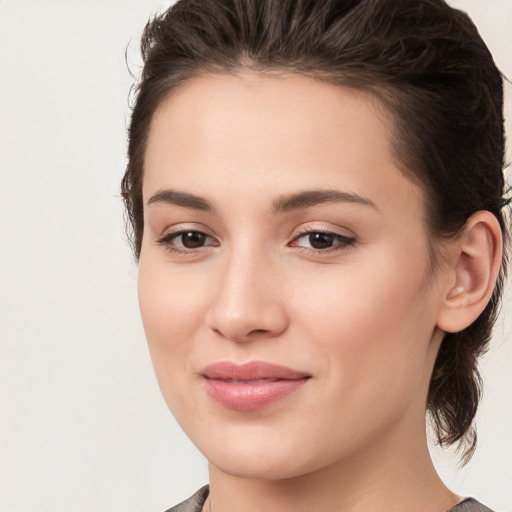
321	240
193	239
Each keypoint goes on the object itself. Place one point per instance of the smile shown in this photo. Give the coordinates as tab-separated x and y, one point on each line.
250	386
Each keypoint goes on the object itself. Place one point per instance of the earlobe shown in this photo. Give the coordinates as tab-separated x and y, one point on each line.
474	262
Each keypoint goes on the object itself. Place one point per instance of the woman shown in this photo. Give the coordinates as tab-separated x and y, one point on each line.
316	194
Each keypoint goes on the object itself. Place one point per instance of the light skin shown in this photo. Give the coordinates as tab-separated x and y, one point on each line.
308	249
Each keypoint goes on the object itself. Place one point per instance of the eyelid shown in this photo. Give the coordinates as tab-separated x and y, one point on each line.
344	240
184	227
315	228
170	234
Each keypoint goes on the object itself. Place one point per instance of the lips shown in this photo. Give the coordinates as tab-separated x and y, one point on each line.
251	386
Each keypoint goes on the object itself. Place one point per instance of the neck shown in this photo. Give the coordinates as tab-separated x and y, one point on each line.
382	479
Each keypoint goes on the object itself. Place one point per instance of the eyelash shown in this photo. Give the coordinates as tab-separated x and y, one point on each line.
342	241
168	238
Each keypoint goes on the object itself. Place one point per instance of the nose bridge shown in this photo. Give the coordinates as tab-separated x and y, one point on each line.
248	300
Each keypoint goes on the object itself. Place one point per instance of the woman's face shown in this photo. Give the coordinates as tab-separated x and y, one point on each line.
279	231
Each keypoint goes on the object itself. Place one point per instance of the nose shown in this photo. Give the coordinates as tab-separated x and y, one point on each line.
248	303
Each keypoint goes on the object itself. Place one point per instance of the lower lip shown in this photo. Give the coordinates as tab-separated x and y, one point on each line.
247	396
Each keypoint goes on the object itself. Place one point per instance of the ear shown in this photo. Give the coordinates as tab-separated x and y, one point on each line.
474	260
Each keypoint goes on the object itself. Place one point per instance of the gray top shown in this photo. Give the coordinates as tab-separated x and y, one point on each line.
195	504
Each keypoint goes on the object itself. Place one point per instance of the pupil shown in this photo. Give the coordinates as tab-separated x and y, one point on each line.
321	240
193	239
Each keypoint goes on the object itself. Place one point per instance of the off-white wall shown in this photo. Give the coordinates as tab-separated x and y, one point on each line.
82	425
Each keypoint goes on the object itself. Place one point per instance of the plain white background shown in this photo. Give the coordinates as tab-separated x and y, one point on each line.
82	424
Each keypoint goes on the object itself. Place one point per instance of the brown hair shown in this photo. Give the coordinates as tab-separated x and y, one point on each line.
423	60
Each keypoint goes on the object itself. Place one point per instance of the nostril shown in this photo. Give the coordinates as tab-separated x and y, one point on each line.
241	317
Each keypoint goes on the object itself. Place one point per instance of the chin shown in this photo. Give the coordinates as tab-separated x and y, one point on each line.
259	468
261	457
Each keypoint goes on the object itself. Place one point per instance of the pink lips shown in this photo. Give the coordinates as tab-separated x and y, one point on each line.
250	386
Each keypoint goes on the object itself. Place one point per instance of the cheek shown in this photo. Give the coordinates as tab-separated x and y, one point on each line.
384	296
374	330
171	310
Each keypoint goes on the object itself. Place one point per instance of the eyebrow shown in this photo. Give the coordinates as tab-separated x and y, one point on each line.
184	199
308	198
285	203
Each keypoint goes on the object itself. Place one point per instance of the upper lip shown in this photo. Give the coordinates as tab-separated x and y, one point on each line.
253	370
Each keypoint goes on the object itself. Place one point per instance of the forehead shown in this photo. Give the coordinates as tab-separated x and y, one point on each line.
253	105
258	133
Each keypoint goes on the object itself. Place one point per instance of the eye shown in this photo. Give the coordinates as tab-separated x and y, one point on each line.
190	239
186	240
322	240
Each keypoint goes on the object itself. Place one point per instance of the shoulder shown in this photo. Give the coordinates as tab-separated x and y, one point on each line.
194	503
470	505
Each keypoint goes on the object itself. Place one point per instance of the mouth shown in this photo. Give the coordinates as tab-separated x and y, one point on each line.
251	386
